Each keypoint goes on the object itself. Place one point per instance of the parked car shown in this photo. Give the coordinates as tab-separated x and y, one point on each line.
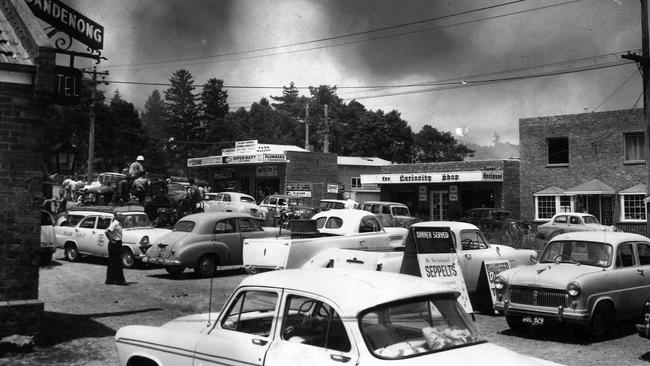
332	204
231	202
490	219
204	241
390	213
569	222
81	232
321	317
271	206
48	237
643	328
589	279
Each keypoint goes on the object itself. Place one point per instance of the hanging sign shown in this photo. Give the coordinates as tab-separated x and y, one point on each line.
67	85
68	20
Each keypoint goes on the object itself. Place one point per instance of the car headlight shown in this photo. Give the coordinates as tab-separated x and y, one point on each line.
573	289
144	240
499	283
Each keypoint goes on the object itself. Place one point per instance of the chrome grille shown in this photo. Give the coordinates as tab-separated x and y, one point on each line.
538	297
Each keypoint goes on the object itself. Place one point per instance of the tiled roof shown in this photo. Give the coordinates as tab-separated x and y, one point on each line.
11	49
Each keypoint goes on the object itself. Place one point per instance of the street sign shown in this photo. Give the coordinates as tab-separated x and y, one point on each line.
68	20
67	86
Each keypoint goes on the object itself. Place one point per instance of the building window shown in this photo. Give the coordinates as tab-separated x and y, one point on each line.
634	147
632	207
356	183
558	150
545	207
565	204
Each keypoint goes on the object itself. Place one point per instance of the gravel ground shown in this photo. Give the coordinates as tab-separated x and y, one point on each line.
82	315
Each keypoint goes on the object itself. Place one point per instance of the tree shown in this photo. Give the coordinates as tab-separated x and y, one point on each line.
182	112
431	145
157	132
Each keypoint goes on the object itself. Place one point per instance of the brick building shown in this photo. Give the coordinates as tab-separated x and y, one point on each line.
446	190
349	173
263	169
26	84
591	162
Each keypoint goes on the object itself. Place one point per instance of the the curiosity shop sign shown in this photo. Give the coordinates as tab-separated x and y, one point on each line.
437	177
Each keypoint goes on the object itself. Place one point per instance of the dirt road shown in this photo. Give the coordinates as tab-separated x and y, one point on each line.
82	315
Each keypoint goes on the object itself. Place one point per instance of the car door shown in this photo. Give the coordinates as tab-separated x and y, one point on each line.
48	238
226	232
243	332
474	250
311	332
632	278
85	235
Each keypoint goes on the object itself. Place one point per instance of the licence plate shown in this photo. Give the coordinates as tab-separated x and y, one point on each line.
533	320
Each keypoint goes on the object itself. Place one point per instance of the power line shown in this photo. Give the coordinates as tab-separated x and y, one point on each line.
167	63
615	91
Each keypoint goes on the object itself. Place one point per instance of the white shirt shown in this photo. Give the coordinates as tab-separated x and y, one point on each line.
116	229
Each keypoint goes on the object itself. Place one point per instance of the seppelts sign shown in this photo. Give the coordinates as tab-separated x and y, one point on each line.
68	20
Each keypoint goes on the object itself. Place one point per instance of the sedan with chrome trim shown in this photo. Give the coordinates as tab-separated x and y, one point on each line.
322	317
590	280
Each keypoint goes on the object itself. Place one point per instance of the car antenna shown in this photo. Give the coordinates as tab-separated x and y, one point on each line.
210	296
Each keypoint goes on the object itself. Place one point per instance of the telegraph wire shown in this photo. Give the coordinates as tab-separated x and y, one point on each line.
617	89
173	63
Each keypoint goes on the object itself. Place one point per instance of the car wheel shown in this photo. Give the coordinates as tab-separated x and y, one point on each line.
175	270
602	321
515	323
206	266
128	259
71	252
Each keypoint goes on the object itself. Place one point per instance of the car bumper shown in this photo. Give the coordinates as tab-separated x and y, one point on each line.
162	261
556	314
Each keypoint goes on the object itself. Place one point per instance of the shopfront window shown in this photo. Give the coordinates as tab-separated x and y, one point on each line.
632	207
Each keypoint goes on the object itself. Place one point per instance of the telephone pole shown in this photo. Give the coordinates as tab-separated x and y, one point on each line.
307	126
644	64
91	118
326	140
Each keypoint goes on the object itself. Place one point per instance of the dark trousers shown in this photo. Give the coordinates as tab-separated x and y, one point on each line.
114	272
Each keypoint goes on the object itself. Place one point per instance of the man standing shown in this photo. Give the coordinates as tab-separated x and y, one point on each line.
114	271
136	169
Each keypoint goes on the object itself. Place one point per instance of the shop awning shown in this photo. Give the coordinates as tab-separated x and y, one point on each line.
637	189
550	191
594	186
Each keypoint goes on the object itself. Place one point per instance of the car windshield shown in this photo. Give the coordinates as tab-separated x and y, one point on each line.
247	199
184	226
590	220
400	211
417	326
578	252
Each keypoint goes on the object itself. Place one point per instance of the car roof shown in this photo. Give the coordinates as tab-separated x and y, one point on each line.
352	290
203	216
383	203
611	237
351	219
454	225
572	214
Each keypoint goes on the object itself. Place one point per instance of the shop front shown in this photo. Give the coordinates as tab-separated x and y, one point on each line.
445	191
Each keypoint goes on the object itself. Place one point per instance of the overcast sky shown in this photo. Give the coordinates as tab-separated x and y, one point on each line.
477	57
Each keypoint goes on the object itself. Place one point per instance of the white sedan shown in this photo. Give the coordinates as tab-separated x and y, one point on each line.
321	317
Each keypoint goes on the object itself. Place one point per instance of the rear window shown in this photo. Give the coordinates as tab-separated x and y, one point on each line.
184	226
247	199
400	211
329	222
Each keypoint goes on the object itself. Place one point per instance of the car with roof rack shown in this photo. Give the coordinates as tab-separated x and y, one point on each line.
82	232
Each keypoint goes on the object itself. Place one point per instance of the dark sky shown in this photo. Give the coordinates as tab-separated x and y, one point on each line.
448	42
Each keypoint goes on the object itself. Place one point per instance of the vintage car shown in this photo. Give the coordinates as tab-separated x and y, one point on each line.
321	317
206	240
231	202
273	204
81	232
329	230
48	237
334	204
390	213
468	242
589	279
569	222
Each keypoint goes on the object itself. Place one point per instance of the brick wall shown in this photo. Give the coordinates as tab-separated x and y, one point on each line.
316	168
596	151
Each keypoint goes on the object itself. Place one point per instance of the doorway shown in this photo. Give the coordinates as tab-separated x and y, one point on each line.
439	205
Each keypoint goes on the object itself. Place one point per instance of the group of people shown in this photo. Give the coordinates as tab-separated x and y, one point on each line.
134	183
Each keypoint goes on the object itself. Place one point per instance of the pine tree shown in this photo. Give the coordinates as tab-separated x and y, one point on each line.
183	114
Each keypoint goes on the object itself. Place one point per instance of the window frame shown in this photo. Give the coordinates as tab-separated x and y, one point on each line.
558	205
623	205
636	134
563	163
355	183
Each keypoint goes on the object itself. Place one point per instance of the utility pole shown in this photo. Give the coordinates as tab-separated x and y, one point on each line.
91	118
326	140
307	126
644	63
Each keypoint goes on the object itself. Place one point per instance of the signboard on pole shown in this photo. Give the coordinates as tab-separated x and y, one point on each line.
67	86
492	268
68	20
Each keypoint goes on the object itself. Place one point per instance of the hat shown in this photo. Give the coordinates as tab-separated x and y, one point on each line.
140	158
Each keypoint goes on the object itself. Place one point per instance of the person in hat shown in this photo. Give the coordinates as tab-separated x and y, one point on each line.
136	169
114	271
